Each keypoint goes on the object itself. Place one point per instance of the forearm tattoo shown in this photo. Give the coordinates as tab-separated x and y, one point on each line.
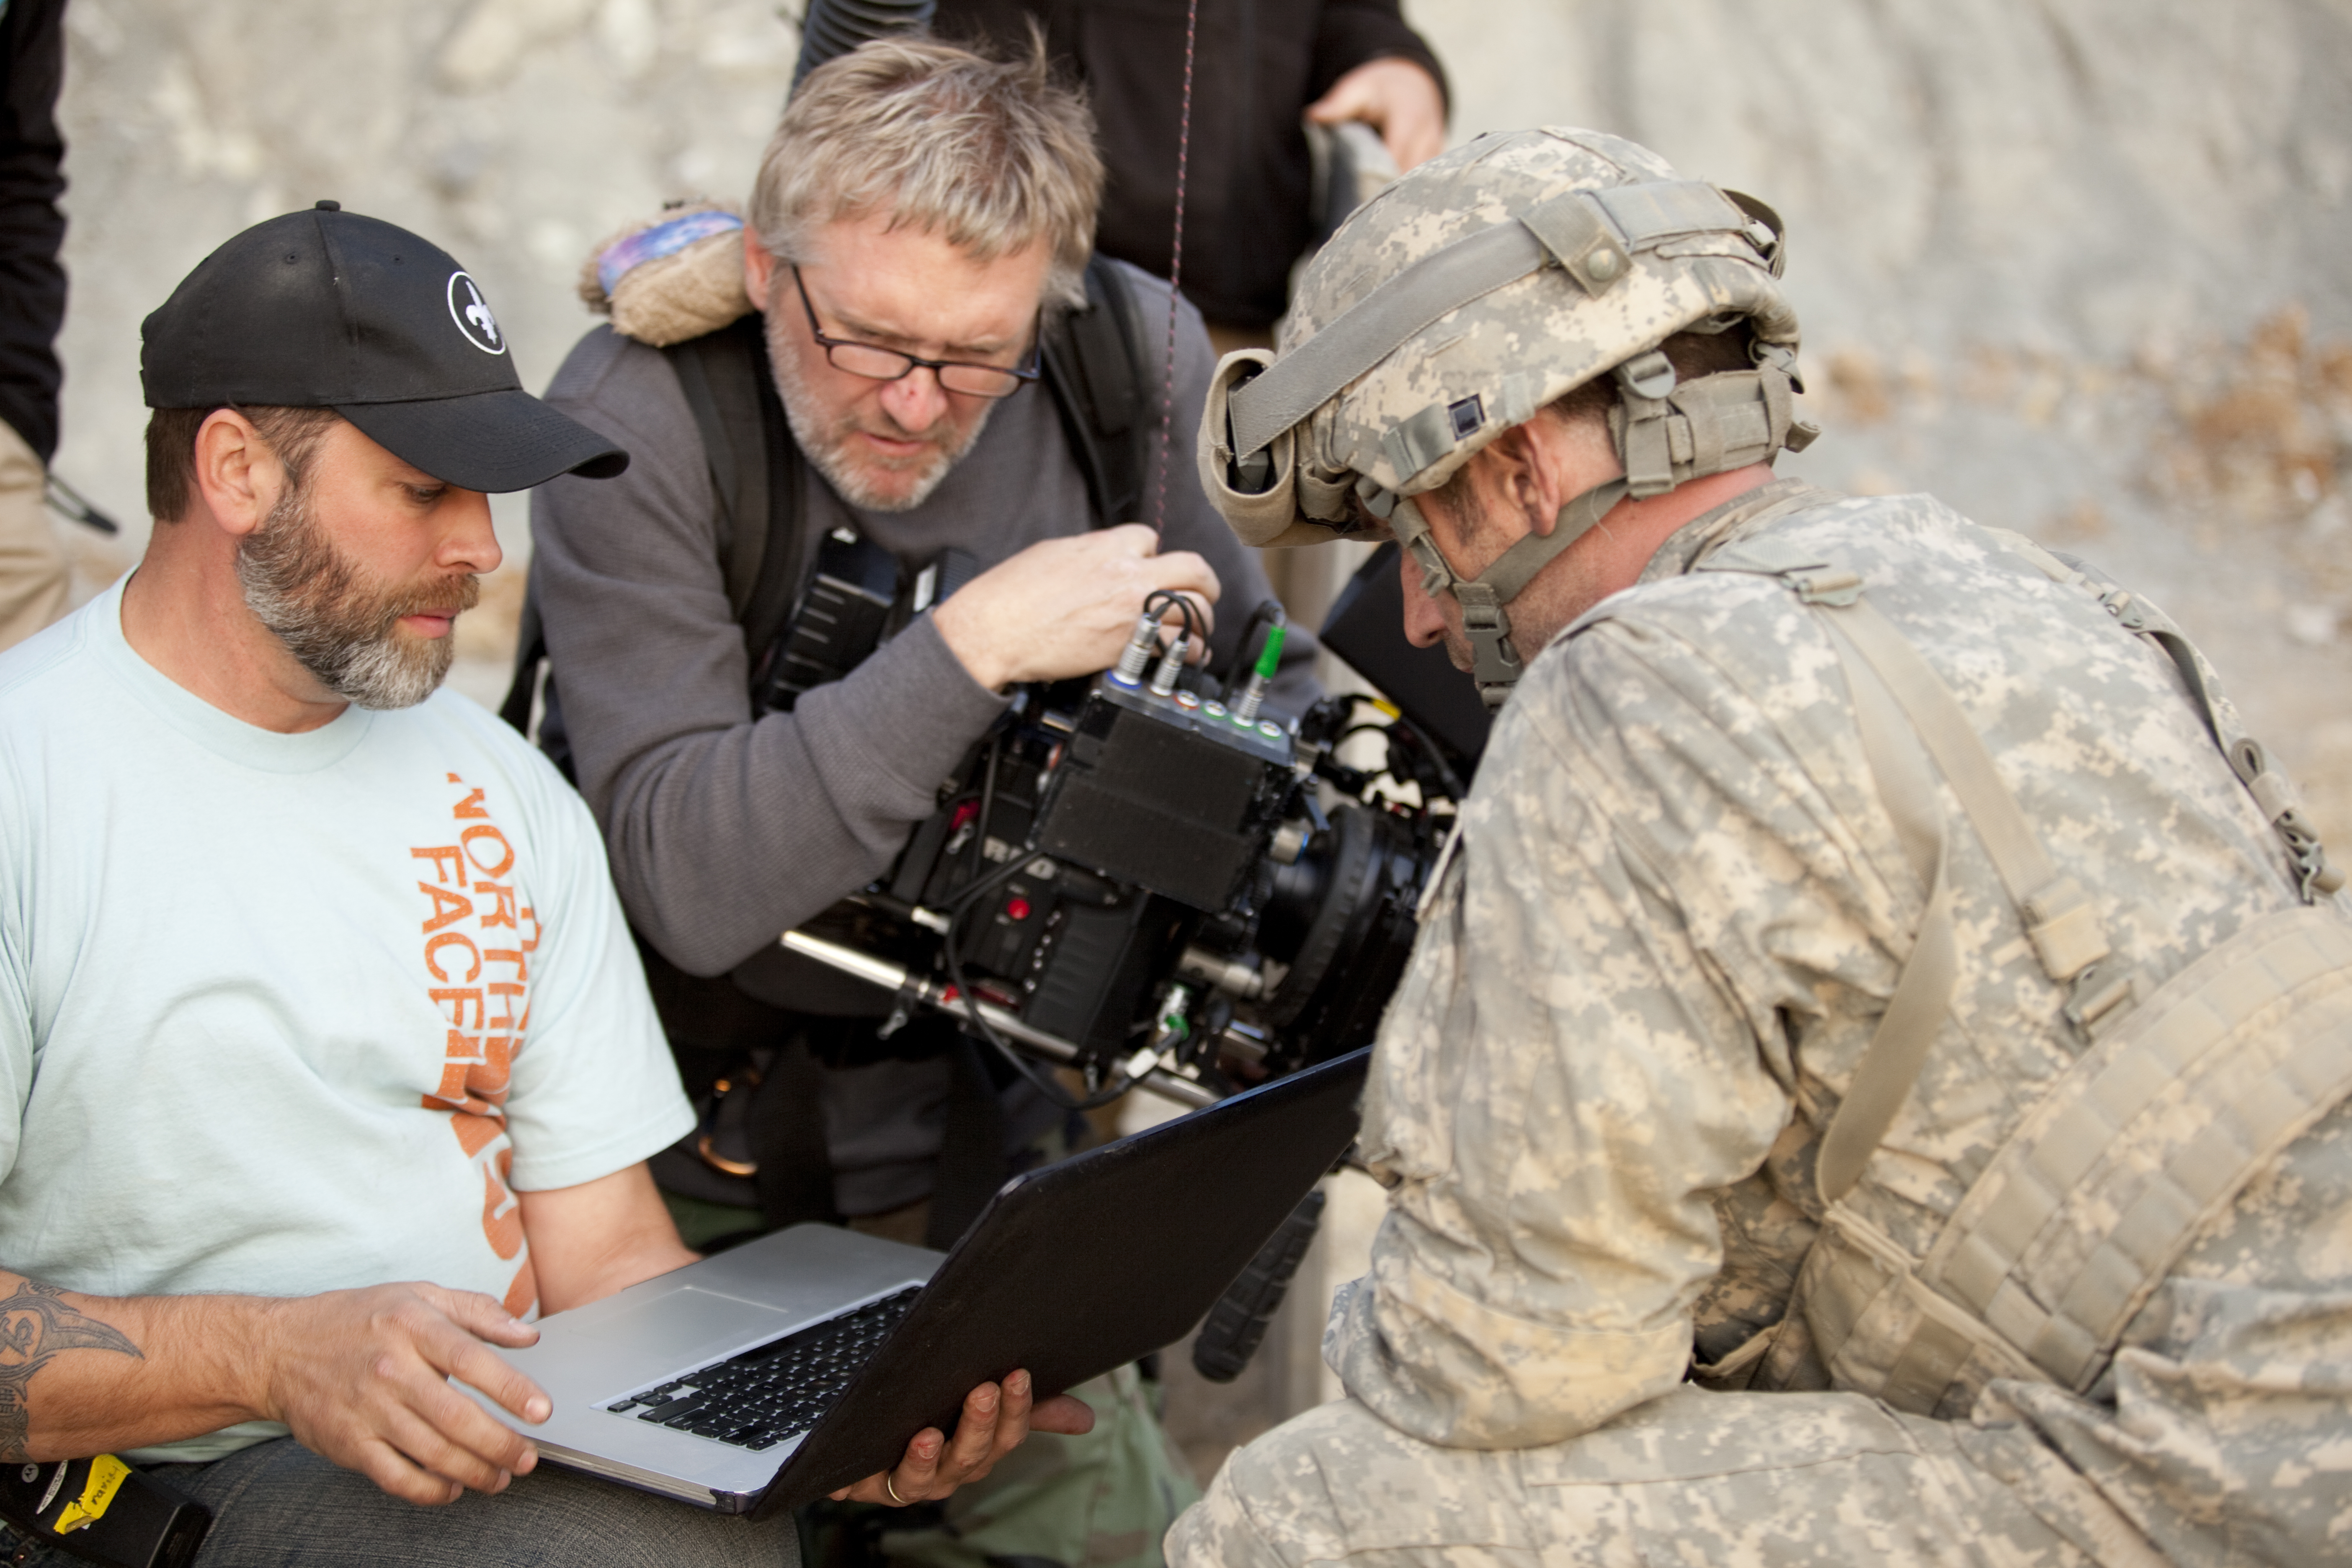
35	1325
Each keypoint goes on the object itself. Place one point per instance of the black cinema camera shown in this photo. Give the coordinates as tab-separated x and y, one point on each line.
1141	874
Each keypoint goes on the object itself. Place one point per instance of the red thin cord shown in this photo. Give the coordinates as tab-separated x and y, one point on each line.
1175	272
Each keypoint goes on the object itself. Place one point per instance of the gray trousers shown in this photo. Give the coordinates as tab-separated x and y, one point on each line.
1710	1480
277	1505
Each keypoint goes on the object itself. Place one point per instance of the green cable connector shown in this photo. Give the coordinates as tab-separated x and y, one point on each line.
1244	712
1271	658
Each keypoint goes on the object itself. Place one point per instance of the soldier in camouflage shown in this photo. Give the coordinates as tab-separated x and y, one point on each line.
1870	1087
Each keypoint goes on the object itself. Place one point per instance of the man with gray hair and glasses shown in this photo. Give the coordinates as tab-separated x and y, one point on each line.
907	338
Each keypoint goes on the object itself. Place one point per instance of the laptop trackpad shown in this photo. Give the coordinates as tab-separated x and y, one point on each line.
686	1322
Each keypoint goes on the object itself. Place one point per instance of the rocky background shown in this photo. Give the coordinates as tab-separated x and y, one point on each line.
2075	266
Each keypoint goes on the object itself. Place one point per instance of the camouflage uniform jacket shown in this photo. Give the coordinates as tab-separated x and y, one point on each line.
1677	913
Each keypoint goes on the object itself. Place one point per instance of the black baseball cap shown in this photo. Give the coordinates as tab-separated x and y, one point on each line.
327	309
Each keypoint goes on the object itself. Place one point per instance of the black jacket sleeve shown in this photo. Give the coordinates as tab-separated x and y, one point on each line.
32	284
1352	32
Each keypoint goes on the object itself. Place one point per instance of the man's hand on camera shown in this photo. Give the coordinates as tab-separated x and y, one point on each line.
993	1424
362	1376
1065	606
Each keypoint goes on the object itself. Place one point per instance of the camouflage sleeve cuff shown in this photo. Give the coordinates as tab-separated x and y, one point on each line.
1440	1366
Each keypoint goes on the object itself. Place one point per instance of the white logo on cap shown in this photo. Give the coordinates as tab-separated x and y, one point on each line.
473	316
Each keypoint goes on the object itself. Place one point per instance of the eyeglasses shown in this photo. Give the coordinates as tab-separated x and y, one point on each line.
875	362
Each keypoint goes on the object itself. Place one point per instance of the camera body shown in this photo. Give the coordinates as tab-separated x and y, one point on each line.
1151	882
1142	874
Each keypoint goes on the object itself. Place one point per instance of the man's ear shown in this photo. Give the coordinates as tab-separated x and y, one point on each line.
1520	468
238	476
1566	456
760	267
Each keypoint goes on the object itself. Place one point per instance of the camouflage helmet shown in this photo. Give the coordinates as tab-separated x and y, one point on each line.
1463	298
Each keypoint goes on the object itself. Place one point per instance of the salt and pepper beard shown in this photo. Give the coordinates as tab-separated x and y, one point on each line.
826	447
338	624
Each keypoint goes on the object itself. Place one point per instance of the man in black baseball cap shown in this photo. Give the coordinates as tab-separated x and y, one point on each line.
319	967
325	331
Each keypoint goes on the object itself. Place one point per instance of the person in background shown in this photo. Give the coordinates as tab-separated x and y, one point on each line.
34	570
1261	64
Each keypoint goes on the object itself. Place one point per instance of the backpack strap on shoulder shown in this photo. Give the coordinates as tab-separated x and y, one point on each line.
2064	930
1901	704
531	652
2174	1105
755	479
755	474
2314	876
1094	364
716	373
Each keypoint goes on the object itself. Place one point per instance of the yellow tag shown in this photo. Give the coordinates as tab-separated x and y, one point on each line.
106	1473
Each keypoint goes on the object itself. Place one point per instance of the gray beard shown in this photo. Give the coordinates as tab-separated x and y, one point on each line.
343	630
823	448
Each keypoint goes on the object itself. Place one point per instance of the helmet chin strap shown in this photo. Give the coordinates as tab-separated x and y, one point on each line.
1666	433
1497	665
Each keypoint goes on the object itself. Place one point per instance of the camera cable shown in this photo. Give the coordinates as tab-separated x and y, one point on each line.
1161	599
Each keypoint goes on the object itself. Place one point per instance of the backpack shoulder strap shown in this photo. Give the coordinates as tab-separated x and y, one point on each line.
531	652
753	473
1901	705
1094	364
755	478
2155	1128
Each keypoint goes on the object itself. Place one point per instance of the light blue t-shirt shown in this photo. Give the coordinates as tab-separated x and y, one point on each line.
284	1014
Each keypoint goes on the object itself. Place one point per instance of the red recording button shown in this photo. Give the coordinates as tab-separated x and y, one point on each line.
1017	910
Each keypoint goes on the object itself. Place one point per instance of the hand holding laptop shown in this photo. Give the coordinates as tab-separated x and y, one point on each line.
789	1368
994	1422
362	1377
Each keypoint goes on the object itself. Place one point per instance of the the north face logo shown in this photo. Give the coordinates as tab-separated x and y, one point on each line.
473	316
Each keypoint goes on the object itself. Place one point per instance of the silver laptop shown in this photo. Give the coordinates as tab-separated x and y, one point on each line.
771	1374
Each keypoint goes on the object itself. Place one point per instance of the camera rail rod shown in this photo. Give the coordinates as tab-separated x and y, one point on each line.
890	977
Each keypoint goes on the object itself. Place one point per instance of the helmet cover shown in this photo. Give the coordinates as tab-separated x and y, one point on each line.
1649	256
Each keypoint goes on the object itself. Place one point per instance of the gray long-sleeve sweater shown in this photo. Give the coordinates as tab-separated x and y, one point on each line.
724	831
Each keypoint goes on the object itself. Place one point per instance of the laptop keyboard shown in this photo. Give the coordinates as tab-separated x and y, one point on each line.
771	1392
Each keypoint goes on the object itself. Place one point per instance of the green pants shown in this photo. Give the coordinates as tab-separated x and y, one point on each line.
1102	1500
